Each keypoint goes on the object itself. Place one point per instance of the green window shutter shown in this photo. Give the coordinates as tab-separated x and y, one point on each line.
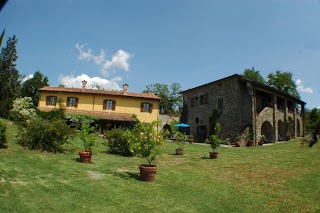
68	101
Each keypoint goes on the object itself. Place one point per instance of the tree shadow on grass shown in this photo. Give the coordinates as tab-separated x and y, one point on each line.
128	175
206	158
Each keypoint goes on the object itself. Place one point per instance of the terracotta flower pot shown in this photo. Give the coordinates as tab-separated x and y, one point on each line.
179	151
213	155
147	172
250	143
85	156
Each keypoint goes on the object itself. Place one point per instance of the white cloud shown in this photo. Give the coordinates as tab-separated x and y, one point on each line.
119	60
92	82
27	77
301	88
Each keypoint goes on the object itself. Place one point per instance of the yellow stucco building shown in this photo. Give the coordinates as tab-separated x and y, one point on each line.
115	108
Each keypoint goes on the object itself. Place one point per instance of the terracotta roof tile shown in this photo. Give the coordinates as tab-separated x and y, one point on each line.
102	92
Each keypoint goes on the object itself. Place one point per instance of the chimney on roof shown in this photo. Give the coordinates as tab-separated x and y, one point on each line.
125	89
84	84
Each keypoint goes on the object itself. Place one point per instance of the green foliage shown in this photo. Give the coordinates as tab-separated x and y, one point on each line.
54	114
3	139
30	87
313	121
87	136
165	133
253	75
79	119
9	77
214	140
283	81
23	110
144	140
171	99
116	142
180	139
45	135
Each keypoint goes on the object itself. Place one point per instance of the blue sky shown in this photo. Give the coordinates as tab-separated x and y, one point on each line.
141	42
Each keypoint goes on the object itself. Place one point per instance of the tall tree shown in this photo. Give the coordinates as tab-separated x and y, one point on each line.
313	121
283	81
9	76
253	75
171	102
30	88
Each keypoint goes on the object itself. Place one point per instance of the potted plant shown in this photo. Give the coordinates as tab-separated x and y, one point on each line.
144	142
249	137
191	139
88	139
262	139
214	141
238	141
180	139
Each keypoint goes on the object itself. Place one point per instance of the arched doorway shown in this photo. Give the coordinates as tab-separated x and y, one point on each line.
267	131
281	130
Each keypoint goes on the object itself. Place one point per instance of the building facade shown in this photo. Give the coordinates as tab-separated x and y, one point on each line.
238	103
115	108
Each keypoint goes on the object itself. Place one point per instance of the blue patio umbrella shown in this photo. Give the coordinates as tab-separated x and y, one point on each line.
182	125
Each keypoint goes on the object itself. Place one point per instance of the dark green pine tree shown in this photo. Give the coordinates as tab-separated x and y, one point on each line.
30	88
9	76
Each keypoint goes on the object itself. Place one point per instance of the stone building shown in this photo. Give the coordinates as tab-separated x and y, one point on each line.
239	104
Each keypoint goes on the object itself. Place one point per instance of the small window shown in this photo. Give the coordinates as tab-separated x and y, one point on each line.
197	120
72	102
204	99
109	104
194	101
51	100
220	103
146	107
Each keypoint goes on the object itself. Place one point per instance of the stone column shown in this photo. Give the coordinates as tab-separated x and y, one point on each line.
295	121
275	126
285	119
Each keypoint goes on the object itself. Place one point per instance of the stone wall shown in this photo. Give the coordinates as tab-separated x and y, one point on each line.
235	114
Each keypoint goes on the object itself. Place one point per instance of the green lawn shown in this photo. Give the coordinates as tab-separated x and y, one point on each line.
277	178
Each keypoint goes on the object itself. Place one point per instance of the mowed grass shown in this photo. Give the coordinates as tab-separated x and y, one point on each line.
276	178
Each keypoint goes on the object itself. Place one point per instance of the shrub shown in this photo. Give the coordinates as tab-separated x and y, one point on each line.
116	142
45	135
3	139
54	114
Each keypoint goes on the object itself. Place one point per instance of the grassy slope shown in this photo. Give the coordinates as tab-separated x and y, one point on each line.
277	178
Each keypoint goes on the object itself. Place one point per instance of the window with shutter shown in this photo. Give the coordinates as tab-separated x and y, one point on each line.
146	107
51	100
72	102
109	104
